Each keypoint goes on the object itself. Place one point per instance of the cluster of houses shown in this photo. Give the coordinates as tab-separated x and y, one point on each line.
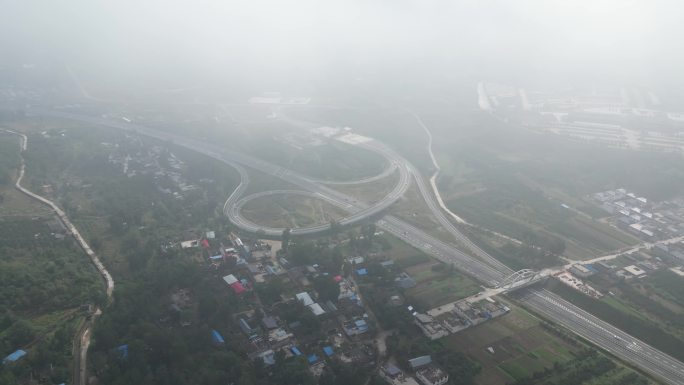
345	331
133	158
642	218
568	278
464	314
626	267
423	368
345	326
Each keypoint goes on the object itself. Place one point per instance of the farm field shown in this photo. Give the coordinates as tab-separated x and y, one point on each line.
369	192
526	349
437	285
412	209
290	211
640	323
332	161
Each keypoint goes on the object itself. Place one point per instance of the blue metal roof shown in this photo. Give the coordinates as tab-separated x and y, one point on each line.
123	350
312	358
295	351
16	356
363	271
328	351
392	370
217	337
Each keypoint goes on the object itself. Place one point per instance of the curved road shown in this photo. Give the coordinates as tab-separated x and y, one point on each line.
490	272
359	211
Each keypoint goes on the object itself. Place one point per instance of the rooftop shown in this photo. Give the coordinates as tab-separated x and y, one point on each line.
16	356
420	361
432	373
305	298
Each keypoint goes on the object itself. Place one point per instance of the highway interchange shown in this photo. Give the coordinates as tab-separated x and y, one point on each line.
484	268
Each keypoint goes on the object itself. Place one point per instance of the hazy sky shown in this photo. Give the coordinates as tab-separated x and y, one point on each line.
281	38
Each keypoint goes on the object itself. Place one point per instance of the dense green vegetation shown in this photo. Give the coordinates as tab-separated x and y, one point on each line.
334	161
9	157
39	273
667	284
512	181
49	359
43	282
157	352
653	299
537	250
408	341
586	367
461	369
128	220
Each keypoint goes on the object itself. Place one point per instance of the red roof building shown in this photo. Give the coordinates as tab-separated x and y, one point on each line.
237	288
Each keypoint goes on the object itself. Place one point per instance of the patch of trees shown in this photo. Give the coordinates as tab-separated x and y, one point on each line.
9	157
587	365
327	288
40	280
40	275
537	250
292	371
159	350
269	292
49	359
461	369
309	253
338	373
669	284
651	306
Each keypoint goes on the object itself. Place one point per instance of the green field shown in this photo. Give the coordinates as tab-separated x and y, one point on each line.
624	314
527	351
290	211
333	161
518	212
369	192
43	282
668	285
654	300
9	157
520	345
437	285
402	253
14	204
509	180
413	209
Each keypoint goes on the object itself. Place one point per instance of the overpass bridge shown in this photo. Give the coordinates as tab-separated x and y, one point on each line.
522	278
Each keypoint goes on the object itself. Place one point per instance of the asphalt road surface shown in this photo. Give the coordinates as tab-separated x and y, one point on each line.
485	268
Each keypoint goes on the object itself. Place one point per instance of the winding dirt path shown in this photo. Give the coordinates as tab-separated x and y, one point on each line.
82	338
